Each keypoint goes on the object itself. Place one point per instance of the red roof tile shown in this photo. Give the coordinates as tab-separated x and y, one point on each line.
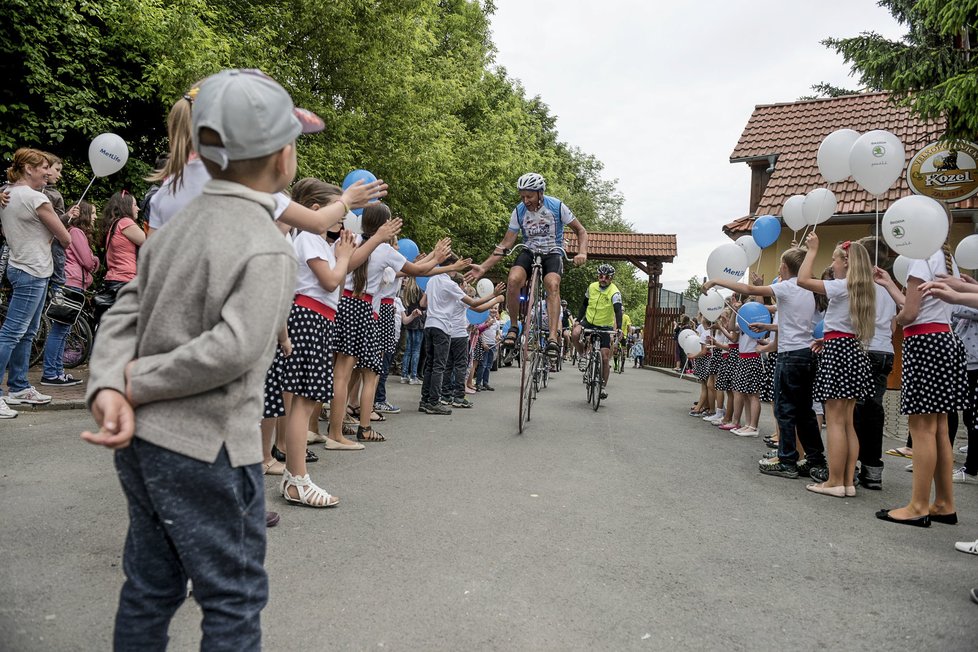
794	131
613	245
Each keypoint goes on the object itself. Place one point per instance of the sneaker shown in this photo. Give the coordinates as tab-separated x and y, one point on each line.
30	396
819	473
438	408
712	416
746	431
6	412
423	407
770	455
969	547
64	380
781	469
445	401
404	380
603	394
488	388
462	403
582	364
415	381
386	408
769	461
961	477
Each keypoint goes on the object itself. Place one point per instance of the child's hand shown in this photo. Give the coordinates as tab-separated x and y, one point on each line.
756	279
286	345
4	198
706	287
116	420
462	264
73	212
390	228
360	194
499	289
812	241
443	249
475	273
345	246
882	277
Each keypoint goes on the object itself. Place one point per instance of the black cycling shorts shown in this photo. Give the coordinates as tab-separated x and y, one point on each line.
605	335
552	263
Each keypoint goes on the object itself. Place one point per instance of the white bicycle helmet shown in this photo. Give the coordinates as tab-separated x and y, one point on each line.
531	181
606	269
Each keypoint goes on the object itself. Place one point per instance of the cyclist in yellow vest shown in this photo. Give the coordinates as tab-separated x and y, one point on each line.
601	310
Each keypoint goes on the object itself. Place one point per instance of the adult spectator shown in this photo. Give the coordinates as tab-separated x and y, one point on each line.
122	238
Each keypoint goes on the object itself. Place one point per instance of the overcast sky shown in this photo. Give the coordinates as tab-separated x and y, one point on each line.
660	93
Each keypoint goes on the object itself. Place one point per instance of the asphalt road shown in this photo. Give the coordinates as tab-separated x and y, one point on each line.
633	528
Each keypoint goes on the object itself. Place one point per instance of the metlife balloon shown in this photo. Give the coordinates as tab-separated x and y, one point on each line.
752	313
820	205
107	154
793	213
711	305
833	154
746	242
966	253
915	226
728	262
877	159
766	231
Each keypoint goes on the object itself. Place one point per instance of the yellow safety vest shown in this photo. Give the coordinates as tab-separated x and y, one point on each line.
600	309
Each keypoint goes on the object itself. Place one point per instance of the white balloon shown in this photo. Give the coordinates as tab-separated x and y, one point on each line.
833	154
484	287
915	226
711	305
877	159
901	269
692	346
966	253
728	262
751	248
353	223
820	205
108	154
793	213
685	334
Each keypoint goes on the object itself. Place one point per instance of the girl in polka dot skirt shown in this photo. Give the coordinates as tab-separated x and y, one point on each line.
933	379
358	339
844	375
748	377
724	340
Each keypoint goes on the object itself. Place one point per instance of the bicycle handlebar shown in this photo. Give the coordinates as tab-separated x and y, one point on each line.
552	250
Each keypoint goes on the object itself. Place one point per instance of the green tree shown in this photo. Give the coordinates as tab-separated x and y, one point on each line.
932	69
694	290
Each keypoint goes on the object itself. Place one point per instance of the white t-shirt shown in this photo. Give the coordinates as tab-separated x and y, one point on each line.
489	335
932	309
796	307
747	343
309	246
398	315
381	257
444	296
838	317
169	200
886	310
704	334
542	230
29	240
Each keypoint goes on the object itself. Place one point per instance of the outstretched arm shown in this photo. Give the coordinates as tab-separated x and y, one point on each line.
805	274
502	249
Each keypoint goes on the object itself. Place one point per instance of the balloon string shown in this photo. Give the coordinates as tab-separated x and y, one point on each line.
86	191
877	262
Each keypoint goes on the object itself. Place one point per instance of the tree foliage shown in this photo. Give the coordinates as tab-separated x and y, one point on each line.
933	69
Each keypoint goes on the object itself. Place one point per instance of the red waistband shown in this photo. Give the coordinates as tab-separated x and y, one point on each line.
925	329
734	345
752	354
834	335
387	302
363	297
315	305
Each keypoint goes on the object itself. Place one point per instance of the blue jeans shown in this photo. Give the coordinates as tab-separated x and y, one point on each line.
54	345
20	326
794	377
412	350
482	374
191	520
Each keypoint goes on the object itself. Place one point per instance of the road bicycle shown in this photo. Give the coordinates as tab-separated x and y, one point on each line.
620	358
534	363
593	365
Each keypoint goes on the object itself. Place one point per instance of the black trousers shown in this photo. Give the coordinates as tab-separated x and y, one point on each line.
869	416
436	347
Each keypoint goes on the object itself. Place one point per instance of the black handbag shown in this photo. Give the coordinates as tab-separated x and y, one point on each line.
71	306
105	297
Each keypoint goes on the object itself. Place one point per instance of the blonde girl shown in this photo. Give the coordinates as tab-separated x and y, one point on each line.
844	373
747	382
726	339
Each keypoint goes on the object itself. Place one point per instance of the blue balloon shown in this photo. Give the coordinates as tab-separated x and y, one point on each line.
357	211
408	248
766	231
358	175
476	318
422	282
752	313
819	331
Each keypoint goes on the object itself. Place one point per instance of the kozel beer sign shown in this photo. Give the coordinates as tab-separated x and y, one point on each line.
945	171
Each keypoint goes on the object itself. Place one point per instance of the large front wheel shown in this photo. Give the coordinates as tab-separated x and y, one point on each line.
596	364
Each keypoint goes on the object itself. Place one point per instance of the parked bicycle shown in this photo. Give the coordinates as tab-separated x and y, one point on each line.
78	345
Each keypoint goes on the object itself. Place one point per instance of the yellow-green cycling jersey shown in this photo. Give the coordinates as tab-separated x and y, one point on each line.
601	304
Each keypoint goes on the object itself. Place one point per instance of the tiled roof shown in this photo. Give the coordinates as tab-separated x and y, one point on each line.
609	245
794	131
739	227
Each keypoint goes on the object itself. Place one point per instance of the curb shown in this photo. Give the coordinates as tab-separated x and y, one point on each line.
675	374
53	406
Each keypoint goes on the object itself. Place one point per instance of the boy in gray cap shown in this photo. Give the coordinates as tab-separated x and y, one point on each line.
178	370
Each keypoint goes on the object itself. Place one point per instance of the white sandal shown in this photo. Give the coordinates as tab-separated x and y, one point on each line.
310	494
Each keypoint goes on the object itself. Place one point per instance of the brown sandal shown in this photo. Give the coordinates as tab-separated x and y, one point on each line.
369	434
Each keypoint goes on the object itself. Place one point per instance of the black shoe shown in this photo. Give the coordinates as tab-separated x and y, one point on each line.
423	407
603	395
817	473
770	443
974	595
946	519
437	408
277	454
871	477
66	380
488	388
311	457
920	521
272	519
781	469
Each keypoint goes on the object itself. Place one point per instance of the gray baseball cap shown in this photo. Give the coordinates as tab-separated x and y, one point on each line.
251	112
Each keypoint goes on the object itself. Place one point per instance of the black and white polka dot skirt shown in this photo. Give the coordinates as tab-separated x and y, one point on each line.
308	372
716	358
844	371
725	372
701	367
274	405
749	377
357	334
388	332
767	389
934	376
